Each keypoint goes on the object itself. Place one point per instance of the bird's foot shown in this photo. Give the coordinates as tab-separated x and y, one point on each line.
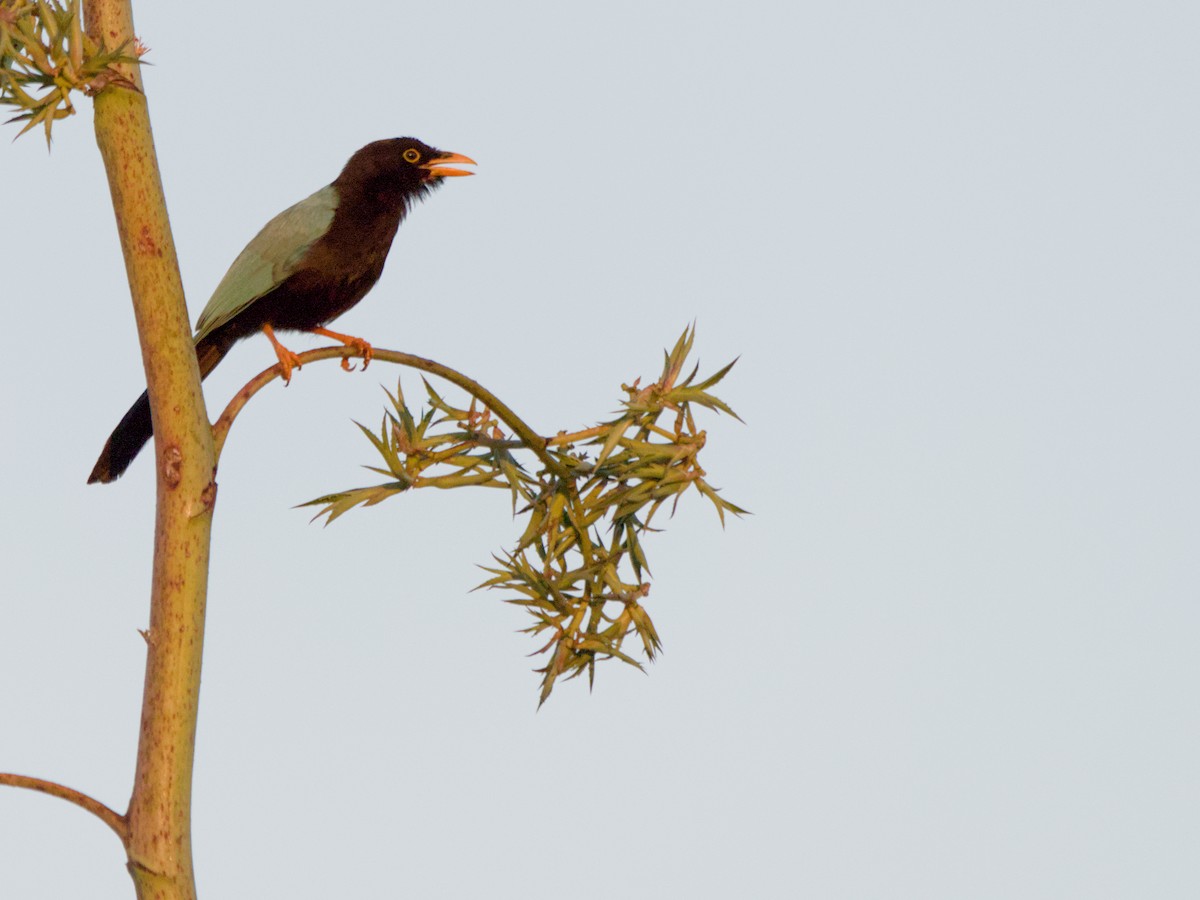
287	359
357	343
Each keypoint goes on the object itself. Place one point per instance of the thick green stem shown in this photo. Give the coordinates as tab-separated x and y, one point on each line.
159	816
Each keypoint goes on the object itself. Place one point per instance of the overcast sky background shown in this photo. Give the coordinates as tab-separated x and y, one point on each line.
953	652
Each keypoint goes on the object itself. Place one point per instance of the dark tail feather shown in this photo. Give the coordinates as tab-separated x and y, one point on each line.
129	437
124	443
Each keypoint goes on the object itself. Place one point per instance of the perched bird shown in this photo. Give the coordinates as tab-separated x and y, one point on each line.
307	266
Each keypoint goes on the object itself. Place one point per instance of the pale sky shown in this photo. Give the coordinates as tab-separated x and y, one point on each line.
951	655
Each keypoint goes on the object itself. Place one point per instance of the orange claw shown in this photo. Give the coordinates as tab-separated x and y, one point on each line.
287	359
357	343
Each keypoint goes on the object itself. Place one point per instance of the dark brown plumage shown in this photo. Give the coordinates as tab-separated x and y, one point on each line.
305	268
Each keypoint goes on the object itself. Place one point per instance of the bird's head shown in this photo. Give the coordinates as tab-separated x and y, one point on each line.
403	164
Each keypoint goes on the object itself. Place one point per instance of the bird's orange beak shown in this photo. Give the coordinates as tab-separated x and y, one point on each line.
436	170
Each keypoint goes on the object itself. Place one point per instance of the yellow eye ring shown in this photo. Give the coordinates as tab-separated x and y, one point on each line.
411	155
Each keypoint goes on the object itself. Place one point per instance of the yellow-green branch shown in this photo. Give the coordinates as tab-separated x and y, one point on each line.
159	845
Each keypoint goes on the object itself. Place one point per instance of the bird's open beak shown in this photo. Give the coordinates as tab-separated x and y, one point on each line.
436	170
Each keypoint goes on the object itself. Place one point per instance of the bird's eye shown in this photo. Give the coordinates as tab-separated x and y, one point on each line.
411	155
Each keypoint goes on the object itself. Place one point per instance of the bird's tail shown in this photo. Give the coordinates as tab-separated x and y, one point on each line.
130	436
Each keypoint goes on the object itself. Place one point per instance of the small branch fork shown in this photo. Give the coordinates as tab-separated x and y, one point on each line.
109	817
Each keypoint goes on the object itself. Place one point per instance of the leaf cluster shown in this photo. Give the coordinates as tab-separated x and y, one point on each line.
587	499
45	55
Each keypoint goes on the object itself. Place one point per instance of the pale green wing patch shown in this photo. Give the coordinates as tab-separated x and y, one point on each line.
272	256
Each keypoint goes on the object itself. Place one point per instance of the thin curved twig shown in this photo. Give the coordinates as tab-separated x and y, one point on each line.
528	436
109	817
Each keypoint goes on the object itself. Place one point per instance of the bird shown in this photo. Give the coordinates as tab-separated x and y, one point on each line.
306	267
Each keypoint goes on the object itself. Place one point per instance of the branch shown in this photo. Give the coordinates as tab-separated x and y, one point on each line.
159	844
109	817
528	436
584	589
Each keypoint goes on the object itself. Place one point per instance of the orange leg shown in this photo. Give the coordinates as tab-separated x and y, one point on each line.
287	359
350	341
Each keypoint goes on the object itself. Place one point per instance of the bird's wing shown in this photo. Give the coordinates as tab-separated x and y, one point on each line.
273	255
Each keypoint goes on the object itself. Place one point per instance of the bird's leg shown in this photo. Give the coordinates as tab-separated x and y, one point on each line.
287	359
350	341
